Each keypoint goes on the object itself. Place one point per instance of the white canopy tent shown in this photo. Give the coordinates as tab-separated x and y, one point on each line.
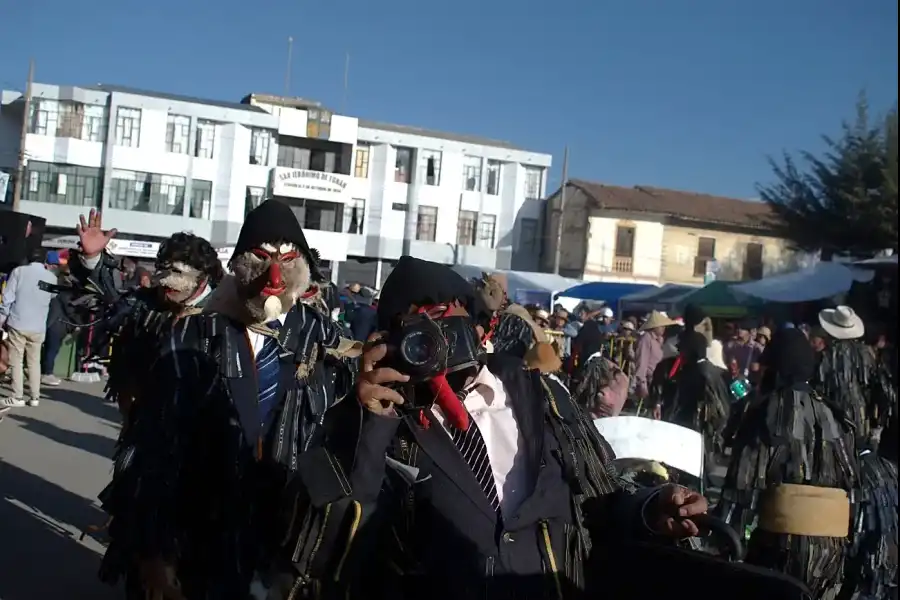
524	281
824	280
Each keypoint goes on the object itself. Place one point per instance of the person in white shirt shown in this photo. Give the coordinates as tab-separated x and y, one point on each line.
23	312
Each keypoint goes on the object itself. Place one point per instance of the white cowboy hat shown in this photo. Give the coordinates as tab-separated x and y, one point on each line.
655	320
842	323
628	325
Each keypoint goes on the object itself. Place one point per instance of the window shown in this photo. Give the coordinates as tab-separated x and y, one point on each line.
260	143
472	173
528	235
93	127
355	216
128	127
430	167
402	164
205	139
253	198
534	180
71	120
706	252
625	241
753	261
486	226
178	132
361	162
62	184
44	117
68	119
493	177
465	227
322	216
292	157
426	224
201	199
147	192
323	161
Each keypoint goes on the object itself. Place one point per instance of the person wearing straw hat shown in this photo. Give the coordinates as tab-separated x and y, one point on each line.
649	350
851	379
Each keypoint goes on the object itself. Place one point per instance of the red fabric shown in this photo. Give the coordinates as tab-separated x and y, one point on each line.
676	366
444	396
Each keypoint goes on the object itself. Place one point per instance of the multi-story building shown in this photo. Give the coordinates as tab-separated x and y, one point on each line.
656	236
158	163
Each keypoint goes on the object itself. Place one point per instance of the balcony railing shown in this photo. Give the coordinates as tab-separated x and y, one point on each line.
623	264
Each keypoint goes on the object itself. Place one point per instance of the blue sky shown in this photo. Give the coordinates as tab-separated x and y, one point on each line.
687	94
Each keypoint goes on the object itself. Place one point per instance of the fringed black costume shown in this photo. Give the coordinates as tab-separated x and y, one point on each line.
513	335
201	468
419	524
851	374
789	435
701	399
598	377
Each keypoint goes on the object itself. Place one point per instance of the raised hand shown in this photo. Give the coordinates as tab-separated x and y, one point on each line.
91	235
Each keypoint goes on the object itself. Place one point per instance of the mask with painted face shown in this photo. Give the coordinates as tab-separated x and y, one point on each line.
272	262
186	266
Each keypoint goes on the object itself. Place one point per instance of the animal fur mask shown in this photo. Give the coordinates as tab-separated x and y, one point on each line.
270	279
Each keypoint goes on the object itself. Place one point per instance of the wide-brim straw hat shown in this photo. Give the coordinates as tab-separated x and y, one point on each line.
656	320
543	357
842	323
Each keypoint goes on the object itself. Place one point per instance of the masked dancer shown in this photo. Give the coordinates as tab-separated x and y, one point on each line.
200	471
792	468
850	376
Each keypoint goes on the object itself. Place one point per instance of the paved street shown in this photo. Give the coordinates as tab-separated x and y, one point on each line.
54	459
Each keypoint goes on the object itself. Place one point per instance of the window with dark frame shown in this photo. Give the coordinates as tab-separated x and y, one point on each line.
426	223
706	252
403	164
178	133
128	127
625	235
355	216
201	199
62	184
494	168
753	261
465	227
487	224
361	162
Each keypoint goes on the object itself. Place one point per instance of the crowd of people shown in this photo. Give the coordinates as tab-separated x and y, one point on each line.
282	439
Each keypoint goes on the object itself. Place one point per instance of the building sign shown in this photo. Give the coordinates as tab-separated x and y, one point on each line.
133	248
312	185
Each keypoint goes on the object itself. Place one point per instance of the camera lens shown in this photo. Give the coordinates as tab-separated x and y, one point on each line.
418	348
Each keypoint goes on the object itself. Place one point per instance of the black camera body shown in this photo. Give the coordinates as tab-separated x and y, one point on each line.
422	347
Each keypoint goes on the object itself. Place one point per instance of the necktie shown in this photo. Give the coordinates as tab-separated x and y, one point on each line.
267	371
472	448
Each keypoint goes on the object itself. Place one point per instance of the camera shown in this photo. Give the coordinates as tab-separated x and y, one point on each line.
422	347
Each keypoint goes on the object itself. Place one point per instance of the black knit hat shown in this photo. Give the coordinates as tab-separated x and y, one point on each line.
414	281
272	222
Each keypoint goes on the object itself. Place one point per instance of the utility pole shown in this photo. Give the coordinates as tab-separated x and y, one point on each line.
562	207
23	138
411	220
287	70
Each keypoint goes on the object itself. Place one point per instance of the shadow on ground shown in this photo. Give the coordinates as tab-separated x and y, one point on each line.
100	445
38	559
87	403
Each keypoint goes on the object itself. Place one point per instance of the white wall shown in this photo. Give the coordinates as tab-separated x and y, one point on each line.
648	251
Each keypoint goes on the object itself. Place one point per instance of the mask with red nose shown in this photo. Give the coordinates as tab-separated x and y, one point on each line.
272	264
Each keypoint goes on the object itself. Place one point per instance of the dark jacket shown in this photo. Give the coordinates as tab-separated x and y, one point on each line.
363	321
421	526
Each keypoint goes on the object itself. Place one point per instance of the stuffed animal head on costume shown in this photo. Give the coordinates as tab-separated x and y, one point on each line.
186	265
272	262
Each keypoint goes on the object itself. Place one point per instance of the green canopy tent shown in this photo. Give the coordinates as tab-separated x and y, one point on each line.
719	301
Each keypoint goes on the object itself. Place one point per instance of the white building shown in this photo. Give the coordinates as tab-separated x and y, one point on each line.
158	163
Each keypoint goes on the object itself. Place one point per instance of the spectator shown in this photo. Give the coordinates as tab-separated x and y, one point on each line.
23	311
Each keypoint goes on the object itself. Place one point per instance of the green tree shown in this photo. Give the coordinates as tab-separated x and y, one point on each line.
846	199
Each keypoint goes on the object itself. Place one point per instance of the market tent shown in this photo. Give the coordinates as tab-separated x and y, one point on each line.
824	280
525	287
664	298
609	292
718	299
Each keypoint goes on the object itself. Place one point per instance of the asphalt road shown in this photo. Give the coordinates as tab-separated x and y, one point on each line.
54	460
